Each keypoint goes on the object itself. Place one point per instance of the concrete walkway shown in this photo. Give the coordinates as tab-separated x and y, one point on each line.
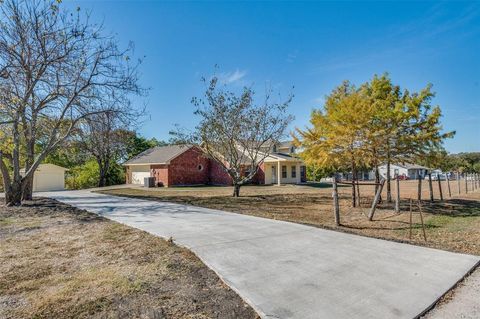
287	270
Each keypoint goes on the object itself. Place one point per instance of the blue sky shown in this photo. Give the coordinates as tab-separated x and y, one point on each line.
311	46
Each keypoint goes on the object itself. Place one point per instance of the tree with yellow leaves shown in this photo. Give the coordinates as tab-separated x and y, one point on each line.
339	133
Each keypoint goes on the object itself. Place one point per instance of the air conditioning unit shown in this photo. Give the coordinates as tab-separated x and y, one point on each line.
149	182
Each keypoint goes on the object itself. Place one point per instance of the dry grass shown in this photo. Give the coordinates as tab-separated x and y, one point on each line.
60	262
450	225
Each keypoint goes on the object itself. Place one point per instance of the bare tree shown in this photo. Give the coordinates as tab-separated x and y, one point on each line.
56	69
236	132
106	137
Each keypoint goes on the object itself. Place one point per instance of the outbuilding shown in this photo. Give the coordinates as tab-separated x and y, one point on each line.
49	177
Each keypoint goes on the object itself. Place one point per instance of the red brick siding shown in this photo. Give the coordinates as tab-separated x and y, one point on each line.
218	176
259	178
184	169
161	174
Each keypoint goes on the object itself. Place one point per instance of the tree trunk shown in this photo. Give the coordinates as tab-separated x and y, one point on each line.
375	200
419	190
236	190
358	194
389	186
430	185
377	181
102	173
27	193
354	193
13	194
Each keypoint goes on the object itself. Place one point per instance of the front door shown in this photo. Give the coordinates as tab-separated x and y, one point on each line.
274	175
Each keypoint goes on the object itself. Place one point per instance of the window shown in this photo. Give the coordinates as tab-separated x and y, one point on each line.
200	167
294	172
284	172
274	149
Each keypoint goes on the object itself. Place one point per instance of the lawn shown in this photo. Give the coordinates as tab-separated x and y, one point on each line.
450	225
60	262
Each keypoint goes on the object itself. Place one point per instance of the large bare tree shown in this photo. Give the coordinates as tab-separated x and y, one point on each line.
56	69
235	131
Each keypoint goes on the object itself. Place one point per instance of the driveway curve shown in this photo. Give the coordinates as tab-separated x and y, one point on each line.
287	270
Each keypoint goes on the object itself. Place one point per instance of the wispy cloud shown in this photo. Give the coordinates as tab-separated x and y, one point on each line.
232	77
292	56
319	100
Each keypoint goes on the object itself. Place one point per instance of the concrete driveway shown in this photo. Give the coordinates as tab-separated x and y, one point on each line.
287	270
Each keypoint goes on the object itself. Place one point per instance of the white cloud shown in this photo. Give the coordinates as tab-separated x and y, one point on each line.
319	100
232	77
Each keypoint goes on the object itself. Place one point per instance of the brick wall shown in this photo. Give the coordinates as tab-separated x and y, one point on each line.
189	168
259	178
161	174
217	175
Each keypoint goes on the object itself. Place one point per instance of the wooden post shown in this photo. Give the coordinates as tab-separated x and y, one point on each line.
430	185
420	181
375	200
440	187
336	206
466	183
421	219
458	183
397	201
411	219
448	185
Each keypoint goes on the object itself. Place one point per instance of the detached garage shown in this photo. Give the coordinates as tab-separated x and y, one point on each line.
49	177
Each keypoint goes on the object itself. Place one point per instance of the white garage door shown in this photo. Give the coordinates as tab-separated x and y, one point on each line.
139	173
51	181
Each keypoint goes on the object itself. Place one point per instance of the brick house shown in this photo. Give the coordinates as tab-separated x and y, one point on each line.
177	165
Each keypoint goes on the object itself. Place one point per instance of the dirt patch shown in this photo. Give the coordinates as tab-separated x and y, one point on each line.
451	224
57	261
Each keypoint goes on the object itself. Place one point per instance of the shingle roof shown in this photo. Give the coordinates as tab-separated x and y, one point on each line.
158	154
408	165
413	166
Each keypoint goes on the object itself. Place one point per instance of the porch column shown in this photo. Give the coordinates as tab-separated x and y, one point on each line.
279	173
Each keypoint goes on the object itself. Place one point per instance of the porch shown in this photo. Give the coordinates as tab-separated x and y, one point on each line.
284	169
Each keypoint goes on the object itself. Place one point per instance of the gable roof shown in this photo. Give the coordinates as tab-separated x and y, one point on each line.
158	155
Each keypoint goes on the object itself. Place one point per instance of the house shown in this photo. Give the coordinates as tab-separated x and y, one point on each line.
412	171
48	177
176	165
